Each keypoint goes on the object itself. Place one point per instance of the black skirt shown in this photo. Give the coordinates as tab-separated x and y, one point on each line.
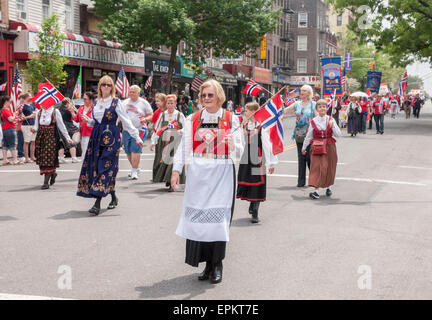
213	252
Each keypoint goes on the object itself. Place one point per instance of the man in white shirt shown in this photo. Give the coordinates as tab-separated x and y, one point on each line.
140	112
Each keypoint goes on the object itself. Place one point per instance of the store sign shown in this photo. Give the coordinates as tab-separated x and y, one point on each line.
160	65
262	75
301	80
97	72
263	48
233	59
187	68
87	51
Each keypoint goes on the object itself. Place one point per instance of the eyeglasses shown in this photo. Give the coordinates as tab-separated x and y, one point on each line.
210	95
106	85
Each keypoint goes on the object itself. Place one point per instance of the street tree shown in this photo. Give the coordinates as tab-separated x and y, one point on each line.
400	28
227	27
48	63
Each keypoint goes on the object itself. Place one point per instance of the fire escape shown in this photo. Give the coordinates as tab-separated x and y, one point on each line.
288	37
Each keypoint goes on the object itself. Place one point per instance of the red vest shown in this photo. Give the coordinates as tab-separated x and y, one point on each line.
205	140
323	134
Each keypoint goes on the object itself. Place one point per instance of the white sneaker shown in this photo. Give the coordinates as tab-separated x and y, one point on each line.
21	159
134	176
62	160
75	160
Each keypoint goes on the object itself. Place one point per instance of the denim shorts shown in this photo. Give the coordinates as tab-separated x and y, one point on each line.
9	139
129	143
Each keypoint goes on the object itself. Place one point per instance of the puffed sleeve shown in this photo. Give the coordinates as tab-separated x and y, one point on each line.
184	150
236	131
126	122
60	124
270	158
336	130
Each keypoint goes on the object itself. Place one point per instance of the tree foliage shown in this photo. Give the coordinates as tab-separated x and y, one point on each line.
228	27
49	62
414	82
400	28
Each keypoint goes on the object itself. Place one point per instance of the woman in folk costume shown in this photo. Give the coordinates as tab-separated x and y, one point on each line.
322	133
100	164
354	117
48	123
257	158
210	140
167	139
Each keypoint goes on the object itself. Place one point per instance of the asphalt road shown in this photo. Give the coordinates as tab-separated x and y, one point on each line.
371	240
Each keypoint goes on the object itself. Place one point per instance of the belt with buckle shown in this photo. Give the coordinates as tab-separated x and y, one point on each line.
211	155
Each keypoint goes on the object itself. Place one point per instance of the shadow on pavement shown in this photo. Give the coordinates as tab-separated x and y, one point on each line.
7	218
73	214
326	201
244	222
32	188
289	188
177	286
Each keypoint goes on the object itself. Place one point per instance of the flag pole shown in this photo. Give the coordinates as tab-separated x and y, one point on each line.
273	96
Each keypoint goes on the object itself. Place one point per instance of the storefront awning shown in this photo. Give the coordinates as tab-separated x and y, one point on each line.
223	76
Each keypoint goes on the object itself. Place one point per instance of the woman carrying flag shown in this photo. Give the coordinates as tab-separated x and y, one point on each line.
100	165
167	138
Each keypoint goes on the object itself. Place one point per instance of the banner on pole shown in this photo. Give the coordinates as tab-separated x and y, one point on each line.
332	75
348	61
373	81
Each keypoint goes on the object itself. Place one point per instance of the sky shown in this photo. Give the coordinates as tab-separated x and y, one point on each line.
424	71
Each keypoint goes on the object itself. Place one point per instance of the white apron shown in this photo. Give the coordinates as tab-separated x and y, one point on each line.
208	200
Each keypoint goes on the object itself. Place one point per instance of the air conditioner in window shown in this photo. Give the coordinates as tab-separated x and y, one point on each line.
22	15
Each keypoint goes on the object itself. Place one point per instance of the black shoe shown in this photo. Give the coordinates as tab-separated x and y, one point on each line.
251	208
216	275
95	210
170	189
314	195
53	177
206	273
378	132
382	132
328	192
255	217
299	185
113	203
45	186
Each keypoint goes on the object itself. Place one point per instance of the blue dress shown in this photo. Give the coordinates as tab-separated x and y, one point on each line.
101	163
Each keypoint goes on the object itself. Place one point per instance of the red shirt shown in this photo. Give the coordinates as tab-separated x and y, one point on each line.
6	113
156	115
364	106
379	107
85	130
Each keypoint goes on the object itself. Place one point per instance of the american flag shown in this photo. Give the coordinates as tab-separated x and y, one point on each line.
149	81
196	83
122	84
16	90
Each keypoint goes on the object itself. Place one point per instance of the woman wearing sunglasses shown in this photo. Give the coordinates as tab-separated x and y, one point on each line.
100	164
210	142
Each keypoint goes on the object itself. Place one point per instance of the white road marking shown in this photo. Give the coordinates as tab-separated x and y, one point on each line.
7	296
420	168
295	162
358	180
61	170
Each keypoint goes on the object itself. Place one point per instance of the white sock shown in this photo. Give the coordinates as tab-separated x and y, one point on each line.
133	171
329	188
317	190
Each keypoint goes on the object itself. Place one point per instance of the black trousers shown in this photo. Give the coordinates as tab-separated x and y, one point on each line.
302	161
416	112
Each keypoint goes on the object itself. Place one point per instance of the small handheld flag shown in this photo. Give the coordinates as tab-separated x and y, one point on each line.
78	87
47	96
3	86
252	88
122	84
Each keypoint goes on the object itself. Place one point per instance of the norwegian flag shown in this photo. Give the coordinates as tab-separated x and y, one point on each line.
270	117
294	93
47	96
172	125
122	84
403	84
16	90
143	132
196	83
149	81
330	100
391	95
3	86
252	88
289	100
238	113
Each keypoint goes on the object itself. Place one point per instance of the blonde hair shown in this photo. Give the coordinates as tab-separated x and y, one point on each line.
309	89
106	79
220	94
171	96
319	102
252	106
161	97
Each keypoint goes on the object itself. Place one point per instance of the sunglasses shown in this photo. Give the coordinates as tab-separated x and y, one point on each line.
210	96
106	85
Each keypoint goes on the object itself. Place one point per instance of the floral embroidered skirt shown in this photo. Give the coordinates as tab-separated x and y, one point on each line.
100	165
46	151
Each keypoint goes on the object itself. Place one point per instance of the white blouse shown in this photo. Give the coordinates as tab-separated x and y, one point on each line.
170	118
185	149
99	112
321	123
45	120
270	159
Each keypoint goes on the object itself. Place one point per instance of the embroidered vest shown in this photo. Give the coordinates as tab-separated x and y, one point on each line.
208	140
323	134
